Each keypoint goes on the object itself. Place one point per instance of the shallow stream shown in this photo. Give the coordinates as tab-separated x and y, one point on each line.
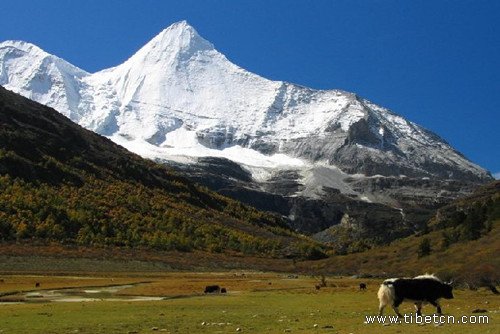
85	294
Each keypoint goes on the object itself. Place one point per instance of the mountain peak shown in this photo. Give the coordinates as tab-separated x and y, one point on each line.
183	25
23	47
181	28
32	56
179	39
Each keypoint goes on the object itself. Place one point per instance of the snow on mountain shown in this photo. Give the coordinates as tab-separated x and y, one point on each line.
30	71
178	96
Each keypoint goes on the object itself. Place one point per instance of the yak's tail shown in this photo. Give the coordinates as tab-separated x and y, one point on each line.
385	295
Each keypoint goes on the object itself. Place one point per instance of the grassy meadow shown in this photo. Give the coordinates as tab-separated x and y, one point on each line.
256	302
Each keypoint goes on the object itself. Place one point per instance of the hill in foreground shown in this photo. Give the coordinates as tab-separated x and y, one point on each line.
61	183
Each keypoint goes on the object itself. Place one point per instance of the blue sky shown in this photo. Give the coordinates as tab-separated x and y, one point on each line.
437	62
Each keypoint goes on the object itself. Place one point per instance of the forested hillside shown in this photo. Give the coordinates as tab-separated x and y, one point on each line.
62	183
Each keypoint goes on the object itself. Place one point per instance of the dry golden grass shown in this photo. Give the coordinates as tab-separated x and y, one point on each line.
191	284
56	258
397	259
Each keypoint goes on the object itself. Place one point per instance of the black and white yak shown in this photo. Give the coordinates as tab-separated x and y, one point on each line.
421	289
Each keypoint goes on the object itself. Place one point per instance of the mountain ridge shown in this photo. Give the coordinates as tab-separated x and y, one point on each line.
178	87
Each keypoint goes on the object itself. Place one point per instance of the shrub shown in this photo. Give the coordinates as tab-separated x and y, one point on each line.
424	248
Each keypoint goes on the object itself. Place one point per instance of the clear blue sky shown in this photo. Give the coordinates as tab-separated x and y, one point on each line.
435	62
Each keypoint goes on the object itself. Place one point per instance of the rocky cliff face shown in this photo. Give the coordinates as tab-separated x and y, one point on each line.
375	209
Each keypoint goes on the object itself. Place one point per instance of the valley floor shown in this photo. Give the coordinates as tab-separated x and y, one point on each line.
255	302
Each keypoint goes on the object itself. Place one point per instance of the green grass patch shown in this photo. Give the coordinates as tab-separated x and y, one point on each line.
290	306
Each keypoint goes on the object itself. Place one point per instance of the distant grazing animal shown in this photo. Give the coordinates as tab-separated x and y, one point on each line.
421	289
362	286
37	285
223	290
212	289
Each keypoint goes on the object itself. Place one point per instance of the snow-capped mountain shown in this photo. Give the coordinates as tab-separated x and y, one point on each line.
179	96
324	158
320	157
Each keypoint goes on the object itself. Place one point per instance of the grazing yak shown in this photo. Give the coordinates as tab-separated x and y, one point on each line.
421	289
212	289
362	286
